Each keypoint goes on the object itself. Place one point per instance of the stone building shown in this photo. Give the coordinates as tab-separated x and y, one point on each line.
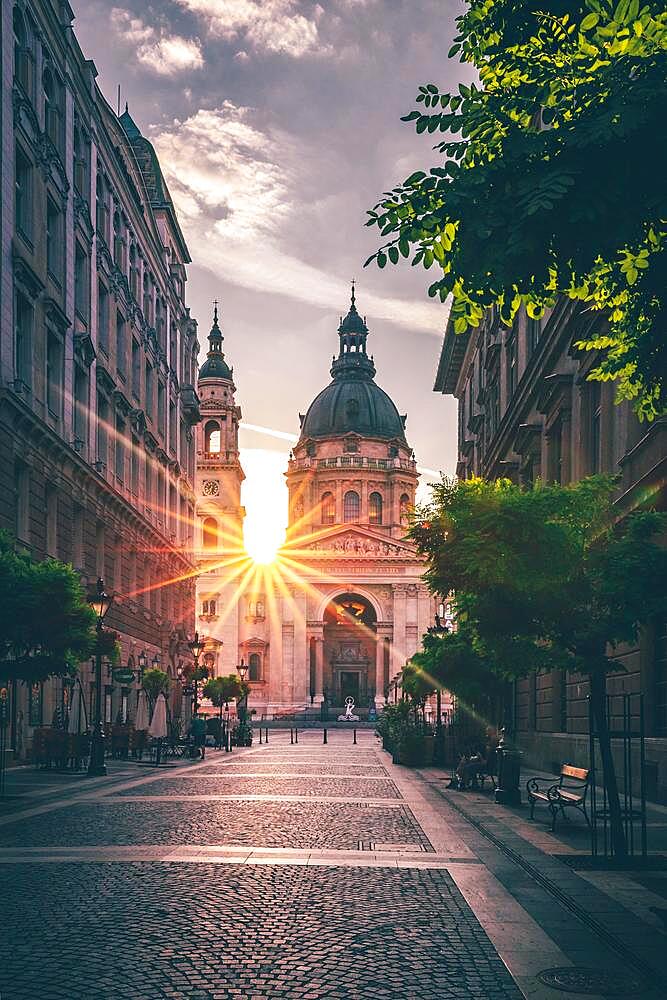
97	353
343	607
526	410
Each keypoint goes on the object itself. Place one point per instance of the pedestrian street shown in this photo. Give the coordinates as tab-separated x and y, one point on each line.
278	871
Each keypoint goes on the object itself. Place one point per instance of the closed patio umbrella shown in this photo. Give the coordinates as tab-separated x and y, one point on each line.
77	710
141	721
158	726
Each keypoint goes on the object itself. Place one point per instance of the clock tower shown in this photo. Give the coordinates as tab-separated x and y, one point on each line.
219	514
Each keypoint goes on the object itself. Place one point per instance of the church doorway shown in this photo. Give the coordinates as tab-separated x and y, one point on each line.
349	650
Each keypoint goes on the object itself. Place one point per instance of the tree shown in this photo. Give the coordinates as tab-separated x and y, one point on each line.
222	690
155	683
547	578
46	625
551	180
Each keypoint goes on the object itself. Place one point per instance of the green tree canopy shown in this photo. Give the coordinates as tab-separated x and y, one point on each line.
46	625
222	690
546	577
550	179
156	682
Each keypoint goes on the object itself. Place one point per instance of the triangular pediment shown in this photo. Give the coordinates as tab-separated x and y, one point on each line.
351	540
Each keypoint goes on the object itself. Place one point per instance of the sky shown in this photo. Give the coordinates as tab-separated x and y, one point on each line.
277	124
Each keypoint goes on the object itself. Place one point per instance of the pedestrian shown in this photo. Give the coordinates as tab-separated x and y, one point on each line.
198	733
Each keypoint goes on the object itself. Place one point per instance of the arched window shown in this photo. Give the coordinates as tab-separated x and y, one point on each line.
328	508
24	65
134	272
118	242
254	667
375	508
210	533
52	108
351	506
212	437
404	511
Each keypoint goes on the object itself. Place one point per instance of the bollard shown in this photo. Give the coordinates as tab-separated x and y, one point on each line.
354	740
325	736
260	735
266	734
296	735
291	736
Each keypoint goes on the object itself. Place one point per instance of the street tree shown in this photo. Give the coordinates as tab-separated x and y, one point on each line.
550	179
46	624
547	577
222	690
155	683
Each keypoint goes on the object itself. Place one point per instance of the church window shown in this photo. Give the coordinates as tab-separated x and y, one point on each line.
328	508
212	437
405	510
208	607
375	508
210	533
351	506
255	667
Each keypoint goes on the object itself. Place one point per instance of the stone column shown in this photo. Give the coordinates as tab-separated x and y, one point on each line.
383	632
319	671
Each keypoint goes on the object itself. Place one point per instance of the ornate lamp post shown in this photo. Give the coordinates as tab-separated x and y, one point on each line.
155	662
100	602
142	660
242	706
439	629
196	646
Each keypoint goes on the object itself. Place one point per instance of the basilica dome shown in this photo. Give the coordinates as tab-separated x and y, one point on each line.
353	402
215	365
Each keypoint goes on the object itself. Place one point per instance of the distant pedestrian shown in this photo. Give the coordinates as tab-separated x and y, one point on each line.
198	733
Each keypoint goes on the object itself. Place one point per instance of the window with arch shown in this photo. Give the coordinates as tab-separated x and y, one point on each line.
212	437
118	241
134	272
209	607
404	510
210	533
147	302
24	56
254	667
81	161
375	508
328	508
102	208
351	506
53	117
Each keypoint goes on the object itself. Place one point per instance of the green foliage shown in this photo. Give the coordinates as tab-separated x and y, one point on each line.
416	683
458	663
46	625
156	682
222	690
544	577
551	179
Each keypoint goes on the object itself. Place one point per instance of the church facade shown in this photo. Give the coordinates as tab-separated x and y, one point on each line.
344	605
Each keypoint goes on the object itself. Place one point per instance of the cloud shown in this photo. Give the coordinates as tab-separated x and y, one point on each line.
237	188
267	25
157	50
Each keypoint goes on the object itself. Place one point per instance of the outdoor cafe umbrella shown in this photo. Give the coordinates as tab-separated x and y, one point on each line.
141	721
158	726
77	709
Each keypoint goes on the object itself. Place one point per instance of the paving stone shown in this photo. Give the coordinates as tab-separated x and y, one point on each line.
350	788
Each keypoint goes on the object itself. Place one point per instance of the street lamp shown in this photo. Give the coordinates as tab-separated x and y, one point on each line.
242	705
196	646
100	602
439	629
142	660
155	663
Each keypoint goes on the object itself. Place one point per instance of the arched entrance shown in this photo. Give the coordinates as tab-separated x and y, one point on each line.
349	650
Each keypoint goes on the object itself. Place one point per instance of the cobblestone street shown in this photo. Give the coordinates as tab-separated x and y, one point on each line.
280	871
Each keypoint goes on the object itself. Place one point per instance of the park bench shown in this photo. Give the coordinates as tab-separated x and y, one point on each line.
569	792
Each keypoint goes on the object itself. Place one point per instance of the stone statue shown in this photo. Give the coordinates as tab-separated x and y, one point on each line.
349	711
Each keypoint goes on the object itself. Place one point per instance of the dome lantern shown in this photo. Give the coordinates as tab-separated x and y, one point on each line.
215	365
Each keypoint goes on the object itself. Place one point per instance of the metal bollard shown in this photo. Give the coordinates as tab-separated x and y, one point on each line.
325	736
260	735
291	736
296	735
266	734
354	740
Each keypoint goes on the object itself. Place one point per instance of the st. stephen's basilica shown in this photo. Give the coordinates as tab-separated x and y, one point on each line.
343	606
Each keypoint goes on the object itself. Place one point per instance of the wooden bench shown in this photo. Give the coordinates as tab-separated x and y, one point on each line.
569	792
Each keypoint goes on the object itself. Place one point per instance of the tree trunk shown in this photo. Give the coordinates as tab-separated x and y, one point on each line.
598	704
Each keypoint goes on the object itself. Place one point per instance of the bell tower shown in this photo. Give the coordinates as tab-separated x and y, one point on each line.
219	530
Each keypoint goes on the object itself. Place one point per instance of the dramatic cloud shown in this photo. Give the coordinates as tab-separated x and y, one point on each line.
237	187
270	25
163	53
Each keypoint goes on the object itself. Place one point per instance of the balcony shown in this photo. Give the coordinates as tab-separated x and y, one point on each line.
352	462
190	404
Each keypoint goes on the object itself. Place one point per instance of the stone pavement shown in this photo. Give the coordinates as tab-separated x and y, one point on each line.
304	871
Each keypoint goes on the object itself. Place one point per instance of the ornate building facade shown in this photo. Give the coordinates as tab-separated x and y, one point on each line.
344	606
527	411
97	353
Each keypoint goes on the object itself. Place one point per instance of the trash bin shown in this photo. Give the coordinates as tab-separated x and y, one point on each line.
508	792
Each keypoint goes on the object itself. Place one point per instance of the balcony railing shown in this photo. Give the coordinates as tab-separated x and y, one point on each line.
352	461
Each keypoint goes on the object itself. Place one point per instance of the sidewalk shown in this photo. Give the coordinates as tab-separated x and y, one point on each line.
596	917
